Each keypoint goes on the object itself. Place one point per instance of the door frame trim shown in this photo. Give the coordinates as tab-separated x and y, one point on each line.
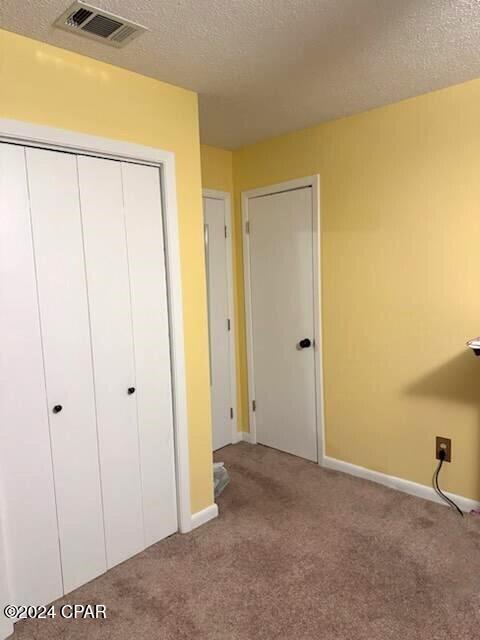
25	133
246	196
226	198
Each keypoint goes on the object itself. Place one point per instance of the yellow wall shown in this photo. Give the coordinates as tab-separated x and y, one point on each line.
50	86
400	216
217	168
400	192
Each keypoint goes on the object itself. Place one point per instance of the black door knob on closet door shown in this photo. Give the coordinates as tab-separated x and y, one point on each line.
57	408
131	390
305	343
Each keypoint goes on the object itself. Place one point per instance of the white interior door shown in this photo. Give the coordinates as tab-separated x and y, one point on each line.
62	295
143	217
27	496
217	290
282	309
106	261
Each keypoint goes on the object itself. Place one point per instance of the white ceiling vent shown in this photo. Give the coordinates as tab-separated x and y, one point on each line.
88	21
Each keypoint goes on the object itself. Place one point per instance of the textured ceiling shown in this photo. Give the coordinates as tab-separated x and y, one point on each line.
264	67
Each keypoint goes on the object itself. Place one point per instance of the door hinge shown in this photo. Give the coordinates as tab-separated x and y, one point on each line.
231	413
225	231
247	226
228	324
254	405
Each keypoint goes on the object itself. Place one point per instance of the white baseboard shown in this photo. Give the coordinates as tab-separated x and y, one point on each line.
205	515
407	486
244	436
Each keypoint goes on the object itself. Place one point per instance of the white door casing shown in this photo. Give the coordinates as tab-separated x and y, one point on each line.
281	261
218	263
28	484
34	135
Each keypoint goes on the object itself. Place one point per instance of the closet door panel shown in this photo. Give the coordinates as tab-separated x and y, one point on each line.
27	497
6	624
111	326
57	235
143	215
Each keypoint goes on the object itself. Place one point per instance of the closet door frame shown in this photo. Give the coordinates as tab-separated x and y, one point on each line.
24	133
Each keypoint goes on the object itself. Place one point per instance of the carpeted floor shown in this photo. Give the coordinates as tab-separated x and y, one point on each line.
297	553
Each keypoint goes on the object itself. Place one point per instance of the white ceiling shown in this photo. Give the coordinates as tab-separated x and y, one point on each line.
264	67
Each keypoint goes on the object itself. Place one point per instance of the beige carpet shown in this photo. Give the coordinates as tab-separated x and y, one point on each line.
297	553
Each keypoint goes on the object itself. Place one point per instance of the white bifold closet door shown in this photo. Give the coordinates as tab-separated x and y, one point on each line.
87	471
148	282
27	498
62	297
123	236
106	258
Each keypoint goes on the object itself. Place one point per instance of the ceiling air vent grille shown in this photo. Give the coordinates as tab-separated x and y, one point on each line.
83	19
123	33
102	26
76	18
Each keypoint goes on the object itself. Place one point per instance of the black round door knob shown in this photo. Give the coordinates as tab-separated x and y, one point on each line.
131	390
305	343
57	408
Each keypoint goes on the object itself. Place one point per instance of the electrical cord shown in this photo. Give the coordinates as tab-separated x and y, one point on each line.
436	486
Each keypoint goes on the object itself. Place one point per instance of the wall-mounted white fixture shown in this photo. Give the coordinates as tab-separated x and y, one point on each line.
474	344
97	24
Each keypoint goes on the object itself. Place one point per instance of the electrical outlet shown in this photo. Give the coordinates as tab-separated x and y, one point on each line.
446	445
